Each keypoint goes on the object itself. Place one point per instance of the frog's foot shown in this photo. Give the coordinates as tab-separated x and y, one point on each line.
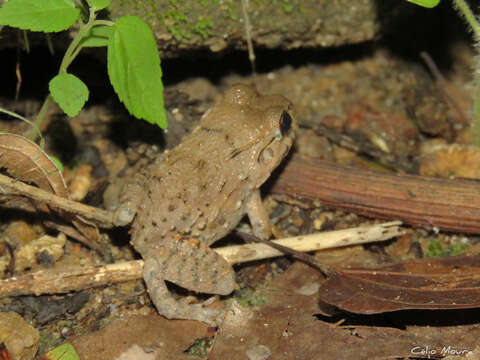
171	308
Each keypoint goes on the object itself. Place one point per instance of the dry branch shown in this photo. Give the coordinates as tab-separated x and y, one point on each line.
11	186
452	205
78	278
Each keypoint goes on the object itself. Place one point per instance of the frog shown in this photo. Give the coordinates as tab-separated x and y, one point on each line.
199	191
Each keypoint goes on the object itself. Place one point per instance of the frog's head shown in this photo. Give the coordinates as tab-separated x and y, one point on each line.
266	133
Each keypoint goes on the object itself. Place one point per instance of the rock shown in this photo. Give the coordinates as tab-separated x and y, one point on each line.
20	338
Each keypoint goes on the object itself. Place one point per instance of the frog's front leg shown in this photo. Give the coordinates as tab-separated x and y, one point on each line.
191	264
131	196
258	216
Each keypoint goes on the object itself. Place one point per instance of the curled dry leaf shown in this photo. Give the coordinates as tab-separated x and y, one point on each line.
26	161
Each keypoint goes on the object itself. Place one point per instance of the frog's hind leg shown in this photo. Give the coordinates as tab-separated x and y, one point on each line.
191	264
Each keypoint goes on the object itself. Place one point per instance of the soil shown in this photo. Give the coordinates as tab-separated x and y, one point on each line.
398	118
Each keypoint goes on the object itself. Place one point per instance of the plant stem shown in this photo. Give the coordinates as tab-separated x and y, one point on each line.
463	7
472	21
33	134
14	114
70	54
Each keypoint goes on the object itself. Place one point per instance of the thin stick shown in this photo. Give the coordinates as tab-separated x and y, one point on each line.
101	217
248	36
442	85
79	278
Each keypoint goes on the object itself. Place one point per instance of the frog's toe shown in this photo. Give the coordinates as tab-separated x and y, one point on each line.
123	216
209	316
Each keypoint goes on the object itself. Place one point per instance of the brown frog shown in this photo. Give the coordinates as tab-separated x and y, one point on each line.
200	191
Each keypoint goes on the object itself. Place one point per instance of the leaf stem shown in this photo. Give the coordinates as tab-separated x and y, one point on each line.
70	54
33	134
20	117
463	7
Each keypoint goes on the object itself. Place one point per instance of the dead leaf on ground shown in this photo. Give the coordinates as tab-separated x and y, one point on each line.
26	161
288	327
154	334
448	283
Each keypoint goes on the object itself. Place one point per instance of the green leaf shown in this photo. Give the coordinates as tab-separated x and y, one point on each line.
425	3
99	4
63	352
57	162
134	70
69	92
39	15
98	36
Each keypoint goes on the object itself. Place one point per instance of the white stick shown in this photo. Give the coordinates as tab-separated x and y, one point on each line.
313	242
57	281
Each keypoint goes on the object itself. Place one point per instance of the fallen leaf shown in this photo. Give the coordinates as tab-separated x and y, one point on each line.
448	283
26	161
63	352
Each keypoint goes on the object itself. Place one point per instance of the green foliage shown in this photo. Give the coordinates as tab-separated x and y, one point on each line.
35	15
200	347
436	249
69	92
97	37
133	61
425	3
97	5
57	162
65	351
134	69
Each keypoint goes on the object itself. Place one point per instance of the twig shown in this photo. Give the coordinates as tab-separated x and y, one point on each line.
442	85
248	36
306	258
13	187
78	278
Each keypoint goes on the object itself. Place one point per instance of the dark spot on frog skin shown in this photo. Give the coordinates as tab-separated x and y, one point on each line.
171	207
203	128
220	220
154	223
200	164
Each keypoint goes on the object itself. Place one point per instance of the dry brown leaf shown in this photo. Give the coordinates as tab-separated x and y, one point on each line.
26	161
448	283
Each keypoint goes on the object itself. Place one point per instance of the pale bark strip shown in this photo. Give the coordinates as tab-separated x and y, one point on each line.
78	278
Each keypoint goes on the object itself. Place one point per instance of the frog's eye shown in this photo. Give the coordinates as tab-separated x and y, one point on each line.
285	123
